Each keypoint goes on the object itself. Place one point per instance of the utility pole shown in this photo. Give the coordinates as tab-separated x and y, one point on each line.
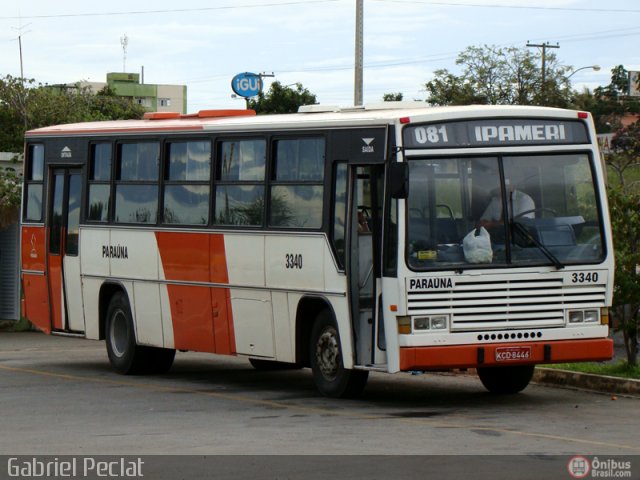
21	32
358	80
23	95
544	47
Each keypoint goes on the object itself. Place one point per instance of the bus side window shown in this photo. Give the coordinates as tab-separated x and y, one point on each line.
186	186
137	183
297	183
34	183
240	176
99	182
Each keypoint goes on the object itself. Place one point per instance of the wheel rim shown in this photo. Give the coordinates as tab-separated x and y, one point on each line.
328	353
119	333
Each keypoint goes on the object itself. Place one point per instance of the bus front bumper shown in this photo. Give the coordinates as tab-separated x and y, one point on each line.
505	354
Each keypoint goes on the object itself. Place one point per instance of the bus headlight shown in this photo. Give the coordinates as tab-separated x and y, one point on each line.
439	323
421	323
591	316
435	322
576	316
583	316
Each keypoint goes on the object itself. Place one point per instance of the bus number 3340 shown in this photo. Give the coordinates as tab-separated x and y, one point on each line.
293	261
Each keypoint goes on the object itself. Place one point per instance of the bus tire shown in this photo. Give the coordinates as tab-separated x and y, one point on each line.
269	365
506	380
329	374
125	355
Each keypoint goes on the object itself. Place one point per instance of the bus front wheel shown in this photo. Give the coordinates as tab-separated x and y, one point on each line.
125	355
329	374
506	380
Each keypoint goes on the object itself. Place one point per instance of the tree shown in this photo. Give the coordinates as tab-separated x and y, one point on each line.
610	103
392	97
624	205
282	99
625	220
501	76
10	190
25	104
624	158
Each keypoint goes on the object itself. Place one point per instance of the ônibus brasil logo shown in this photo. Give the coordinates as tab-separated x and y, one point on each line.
579	467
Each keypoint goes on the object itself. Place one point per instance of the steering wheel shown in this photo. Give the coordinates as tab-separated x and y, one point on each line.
536	210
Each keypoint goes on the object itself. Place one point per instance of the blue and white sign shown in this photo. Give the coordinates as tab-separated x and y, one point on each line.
247	84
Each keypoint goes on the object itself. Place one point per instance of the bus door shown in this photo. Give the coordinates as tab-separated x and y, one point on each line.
363	254
62	251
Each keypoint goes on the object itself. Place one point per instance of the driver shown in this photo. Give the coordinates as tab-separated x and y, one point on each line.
520	204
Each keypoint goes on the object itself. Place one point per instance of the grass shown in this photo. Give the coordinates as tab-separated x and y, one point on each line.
22	325
619	369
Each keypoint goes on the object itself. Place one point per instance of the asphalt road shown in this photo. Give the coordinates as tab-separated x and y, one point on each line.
59	397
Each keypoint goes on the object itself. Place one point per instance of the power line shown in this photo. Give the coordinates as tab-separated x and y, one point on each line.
519	7
172	10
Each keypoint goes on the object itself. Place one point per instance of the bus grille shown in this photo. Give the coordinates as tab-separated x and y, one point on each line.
490	304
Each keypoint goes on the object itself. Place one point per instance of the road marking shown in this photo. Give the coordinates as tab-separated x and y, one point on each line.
314	410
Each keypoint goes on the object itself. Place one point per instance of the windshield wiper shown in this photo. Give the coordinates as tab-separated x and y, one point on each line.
526	234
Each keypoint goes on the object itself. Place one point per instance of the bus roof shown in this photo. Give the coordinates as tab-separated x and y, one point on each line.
309	117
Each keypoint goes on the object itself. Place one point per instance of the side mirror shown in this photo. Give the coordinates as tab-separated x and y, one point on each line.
399	180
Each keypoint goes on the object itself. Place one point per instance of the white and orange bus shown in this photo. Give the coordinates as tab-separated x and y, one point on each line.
389	238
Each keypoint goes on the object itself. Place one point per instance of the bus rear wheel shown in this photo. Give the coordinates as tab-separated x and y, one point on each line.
329	374
125	355
506	380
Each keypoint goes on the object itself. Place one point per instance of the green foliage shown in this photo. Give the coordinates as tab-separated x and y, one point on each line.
501	76
10	190
619	369
624	159
282	99
392	97
609	103
25	105
624	207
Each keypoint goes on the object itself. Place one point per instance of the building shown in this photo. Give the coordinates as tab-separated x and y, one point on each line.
155	98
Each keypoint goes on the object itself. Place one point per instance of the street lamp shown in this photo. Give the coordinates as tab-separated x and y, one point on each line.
595	68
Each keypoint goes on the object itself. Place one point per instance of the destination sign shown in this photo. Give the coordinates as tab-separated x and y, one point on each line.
495	132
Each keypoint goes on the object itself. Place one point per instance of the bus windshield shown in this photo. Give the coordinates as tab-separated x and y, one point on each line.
515	210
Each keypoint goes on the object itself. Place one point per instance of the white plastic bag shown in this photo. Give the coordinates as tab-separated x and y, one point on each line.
477	247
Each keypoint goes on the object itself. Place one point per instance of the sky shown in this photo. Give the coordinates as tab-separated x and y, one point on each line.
202	43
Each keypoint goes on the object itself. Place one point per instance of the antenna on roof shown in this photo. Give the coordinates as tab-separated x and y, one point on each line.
124	41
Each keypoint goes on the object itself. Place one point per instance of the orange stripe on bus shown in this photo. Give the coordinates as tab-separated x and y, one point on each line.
35	287
201	315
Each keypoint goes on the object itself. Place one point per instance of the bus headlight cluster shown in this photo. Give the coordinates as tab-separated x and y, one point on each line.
434	322
583	316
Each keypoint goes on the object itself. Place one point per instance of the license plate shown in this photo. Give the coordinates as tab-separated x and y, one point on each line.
513	354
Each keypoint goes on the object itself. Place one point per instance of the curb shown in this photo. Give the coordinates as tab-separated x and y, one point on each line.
586	381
